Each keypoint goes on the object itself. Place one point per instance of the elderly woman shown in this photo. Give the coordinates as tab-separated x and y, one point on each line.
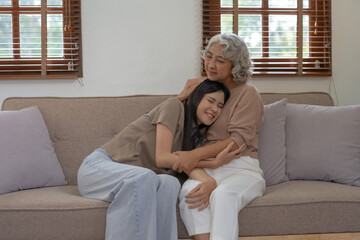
226	60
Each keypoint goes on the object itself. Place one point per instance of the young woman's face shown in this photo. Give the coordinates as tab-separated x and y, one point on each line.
217	67
210	108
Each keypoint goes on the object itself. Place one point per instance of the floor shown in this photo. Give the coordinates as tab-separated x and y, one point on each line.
332	236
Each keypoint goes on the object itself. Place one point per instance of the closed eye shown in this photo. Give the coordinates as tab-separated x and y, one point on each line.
208	55
221	59
211	99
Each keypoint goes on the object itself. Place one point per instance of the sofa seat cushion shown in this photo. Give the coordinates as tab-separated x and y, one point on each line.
294	207
47	211
301	207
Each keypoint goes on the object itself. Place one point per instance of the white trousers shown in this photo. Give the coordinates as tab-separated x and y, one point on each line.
238	183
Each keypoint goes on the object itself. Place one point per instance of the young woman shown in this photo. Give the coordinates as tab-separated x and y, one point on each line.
133	170
226	60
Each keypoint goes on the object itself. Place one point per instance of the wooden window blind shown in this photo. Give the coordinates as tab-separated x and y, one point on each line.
40	39
285	37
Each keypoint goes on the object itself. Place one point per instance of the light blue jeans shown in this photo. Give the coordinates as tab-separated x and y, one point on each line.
143	204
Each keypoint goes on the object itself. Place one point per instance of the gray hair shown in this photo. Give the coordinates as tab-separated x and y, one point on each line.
237	52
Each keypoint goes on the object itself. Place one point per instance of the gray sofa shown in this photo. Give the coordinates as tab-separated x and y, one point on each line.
77	126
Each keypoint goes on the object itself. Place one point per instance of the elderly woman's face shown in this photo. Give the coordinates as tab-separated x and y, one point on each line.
217	67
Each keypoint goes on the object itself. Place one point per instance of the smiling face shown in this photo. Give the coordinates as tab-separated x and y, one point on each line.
217	67
210	108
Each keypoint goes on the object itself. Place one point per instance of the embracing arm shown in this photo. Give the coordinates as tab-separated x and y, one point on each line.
222	151
199	196
164	141
223	157
194	158
211	151
166	159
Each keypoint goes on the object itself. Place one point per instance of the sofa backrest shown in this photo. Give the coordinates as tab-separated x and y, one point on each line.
79	125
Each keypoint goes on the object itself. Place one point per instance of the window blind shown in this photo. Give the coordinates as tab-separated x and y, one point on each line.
40	39
285	37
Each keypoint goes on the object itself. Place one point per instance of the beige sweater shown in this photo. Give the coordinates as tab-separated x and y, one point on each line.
240	120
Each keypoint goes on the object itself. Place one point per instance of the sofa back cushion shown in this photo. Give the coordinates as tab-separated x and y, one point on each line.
79	125
323	143
272	143
27	157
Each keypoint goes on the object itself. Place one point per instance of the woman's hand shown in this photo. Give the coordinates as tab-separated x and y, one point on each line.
185	163
226	155
199	197
190	85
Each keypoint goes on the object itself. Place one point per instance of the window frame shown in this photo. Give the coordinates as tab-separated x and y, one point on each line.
45	67
318	64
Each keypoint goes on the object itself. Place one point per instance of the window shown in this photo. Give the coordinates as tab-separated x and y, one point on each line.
285	37
40	39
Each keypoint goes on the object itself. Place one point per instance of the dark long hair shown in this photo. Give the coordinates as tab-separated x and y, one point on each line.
192	133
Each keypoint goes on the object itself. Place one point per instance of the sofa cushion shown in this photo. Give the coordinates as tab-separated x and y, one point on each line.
27	157
301	207
272	143
323	143
291	207
51	213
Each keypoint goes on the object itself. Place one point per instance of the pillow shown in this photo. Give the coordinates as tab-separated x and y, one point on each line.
27	157
272	143
323	143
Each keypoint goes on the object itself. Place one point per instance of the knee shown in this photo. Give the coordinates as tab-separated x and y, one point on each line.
144	178
259	188
221	192
188	185
146	175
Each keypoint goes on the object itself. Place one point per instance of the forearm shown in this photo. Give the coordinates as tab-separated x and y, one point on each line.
200	175
190	159
210	151
191	84
207	164
166	160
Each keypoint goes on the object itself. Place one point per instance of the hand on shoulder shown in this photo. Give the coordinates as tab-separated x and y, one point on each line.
190	85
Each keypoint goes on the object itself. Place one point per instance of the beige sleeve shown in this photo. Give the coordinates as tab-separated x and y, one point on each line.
246	120
168	114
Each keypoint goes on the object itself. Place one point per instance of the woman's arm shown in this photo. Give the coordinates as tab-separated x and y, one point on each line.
190	85
189	160
200	195
224	157
166	159
163	146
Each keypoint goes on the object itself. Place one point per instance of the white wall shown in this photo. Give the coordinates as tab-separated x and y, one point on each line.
346	50
144	54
